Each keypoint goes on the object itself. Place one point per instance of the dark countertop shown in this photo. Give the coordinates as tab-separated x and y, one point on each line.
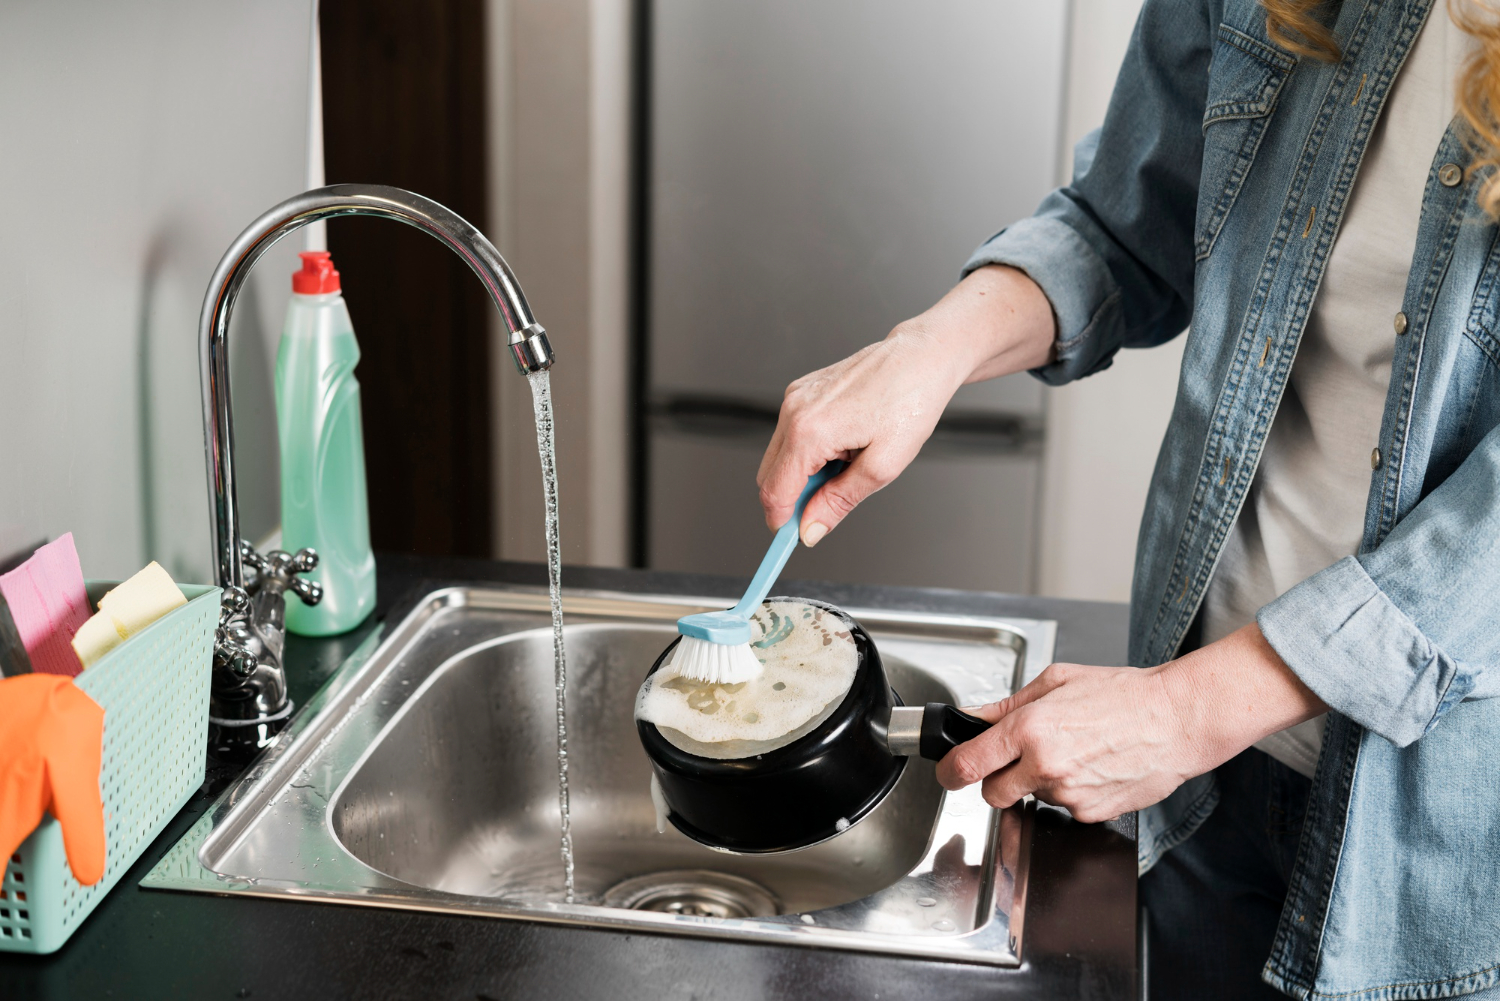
1079	939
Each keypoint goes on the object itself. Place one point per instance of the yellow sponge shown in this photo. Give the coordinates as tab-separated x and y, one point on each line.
125	611
95	638
142	600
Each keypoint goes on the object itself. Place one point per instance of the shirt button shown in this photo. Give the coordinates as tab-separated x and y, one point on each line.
1400	324
1450	174
1375	458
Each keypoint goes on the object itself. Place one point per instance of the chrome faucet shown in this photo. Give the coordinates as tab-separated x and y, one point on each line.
249	701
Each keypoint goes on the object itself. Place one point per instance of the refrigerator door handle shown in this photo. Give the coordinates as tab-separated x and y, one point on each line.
989	432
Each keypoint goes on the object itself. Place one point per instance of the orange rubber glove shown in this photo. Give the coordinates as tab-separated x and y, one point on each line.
51	743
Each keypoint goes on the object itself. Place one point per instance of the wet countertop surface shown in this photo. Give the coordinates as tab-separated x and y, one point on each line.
1080	920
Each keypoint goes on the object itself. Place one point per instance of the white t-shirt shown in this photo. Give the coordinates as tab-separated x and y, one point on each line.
1306	506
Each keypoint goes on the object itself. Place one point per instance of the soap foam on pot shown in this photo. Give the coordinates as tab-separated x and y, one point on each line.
810	661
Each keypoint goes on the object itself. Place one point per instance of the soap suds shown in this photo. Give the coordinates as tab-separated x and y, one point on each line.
810	661
659	800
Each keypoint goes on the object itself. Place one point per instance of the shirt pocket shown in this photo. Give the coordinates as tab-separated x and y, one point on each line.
1244	78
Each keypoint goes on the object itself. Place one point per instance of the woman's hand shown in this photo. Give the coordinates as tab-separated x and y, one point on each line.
1102	741
878	406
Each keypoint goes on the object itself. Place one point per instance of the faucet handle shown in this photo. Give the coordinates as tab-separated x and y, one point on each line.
305	560
311	592
249	555
281	568
231	653
231	647
235	601
278	570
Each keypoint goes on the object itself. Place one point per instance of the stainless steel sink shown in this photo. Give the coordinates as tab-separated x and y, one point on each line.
424	776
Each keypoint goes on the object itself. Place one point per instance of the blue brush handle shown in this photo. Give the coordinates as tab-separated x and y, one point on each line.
784	543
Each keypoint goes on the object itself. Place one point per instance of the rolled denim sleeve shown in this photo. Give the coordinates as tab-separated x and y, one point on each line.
1113	250
1397	636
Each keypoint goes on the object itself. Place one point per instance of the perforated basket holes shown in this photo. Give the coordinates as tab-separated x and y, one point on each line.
15	905
147	739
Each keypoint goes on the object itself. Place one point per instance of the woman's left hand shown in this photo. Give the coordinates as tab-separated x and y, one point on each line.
1102	741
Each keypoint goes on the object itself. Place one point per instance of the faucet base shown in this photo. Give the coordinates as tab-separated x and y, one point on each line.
238	741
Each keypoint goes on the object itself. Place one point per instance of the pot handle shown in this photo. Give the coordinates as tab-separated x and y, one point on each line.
944	728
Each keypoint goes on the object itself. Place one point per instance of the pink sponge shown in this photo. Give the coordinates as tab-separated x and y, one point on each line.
48	603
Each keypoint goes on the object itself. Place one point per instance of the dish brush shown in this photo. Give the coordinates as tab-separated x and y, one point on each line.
715	646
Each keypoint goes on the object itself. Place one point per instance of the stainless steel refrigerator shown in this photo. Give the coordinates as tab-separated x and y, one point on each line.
816	172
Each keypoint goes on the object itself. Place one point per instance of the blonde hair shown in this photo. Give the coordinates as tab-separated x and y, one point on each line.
1294	25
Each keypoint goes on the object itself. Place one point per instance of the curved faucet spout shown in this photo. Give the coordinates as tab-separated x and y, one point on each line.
527	342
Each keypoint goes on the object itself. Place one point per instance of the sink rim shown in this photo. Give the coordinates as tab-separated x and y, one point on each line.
194	864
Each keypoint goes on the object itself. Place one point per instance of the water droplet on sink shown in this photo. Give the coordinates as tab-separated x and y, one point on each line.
926	902
943	924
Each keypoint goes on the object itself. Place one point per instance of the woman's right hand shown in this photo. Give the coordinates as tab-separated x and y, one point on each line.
876	407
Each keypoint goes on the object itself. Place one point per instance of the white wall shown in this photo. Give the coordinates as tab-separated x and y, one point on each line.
1103	432
136	141
560	154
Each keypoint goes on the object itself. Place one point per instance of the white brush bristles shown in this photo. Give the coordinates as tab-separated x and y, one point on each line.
716	663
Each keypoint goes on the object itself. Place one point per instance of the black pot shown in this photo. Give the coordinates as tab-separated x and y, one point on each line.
817	786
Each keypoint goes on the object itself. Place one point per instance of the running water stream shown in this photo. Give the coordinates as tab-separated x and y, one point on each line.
541	405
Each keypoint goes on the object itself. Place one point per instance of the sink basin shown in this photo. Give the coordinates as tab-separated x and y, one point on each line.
424	776
460	791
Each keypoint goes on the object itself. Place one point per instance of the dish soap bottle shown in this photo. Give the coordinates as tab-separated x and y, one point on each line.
323	500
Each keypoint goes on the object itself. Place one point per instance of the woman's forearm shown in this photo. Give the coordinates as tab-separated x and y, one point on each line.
1231	693
994	322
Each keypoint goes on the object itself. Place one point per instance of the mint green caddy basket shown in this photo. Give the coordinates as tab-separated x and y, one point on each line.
154	690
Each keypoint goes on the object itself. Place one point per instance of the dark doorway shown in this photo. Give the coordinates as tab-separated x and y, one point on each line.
403	104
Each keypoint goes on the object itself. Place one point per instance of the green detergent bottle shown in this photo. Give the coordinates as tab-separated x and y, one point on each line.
323	501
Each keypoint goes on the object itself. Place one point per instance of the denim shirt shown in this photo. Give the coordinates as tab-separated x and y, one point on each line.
1213	194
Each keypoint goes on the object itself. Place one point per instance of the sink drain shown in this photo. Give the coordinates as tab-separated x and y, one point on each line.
699	892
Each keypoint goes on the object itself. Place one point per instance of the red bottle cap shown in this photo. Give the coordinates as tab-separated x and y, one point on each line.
317	275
